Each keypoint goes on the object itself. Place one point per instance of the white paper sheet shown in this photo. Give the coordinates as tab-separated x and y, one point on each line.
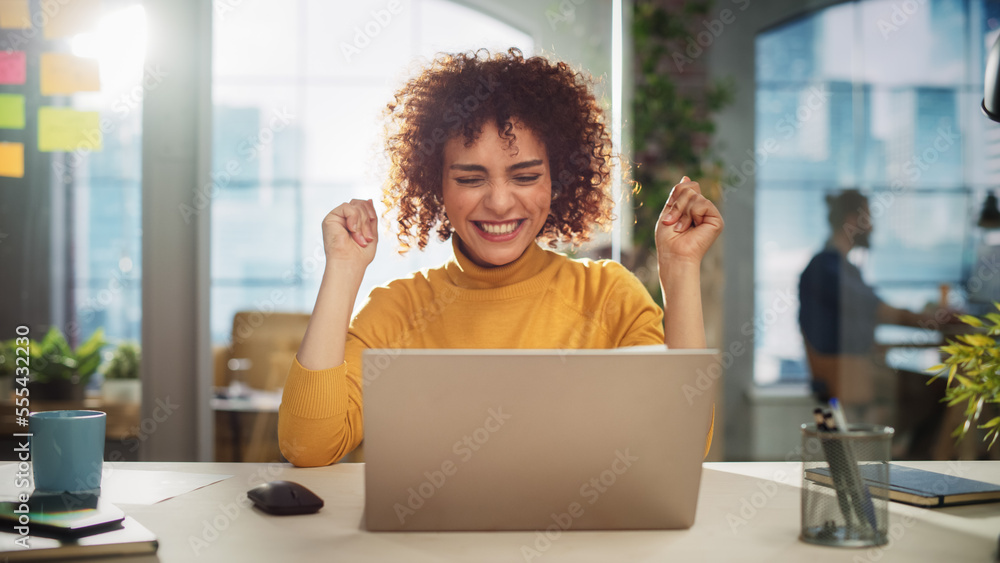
125	486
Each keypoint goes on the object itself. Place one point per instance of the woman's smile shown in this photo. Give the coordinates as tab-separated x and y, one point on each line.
497	194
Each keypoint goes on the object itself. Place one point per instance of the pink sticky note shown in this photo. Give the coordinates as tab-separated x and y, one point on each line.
12	67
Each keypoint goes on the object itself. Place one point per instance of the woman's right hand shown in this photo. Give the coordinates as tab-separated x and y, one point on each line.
350	233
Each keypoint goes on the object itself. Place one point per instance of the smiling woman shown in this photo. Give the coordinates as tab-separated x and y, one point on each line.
497	198
524	161
479	107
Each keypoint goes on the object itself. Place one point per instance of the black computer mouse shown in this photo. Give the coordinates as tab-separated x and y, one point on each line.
284	497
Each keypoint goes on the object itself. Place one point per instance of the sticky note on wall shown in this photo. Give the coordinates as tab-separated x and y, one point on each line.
12	160
72	18
61	129
11	111
14	14
13	65
67	74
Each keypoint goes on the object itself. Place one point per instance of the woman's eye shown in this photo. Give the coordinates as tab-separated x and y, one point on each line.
528	178
468	181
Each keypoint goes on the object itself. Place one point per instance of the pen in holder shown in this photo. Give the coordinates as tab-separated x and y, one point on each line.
845	485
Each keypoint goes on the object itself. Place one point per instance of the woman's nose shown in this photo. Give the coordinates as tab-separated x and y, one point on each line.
499	199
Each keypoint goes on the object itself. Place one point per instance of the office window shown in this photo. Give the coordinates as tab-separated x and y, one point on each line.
298	89
70	198
107	201
882	96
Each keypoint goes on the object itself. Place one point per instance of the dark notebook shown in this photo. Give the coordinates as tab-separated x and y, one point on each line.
127	537
919	487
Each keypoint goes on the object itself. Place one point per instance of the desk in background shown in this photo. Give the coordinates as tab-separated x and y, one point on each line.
747	512
251	408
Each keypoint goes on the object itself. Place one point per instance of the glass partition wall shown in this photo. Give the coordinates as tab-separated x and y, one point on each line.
71	92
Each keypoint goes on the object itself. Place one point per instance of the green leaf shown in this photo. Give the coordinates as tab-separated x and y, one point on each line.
993	422
93	344
980	340
956	401
964	381
970	320
951	373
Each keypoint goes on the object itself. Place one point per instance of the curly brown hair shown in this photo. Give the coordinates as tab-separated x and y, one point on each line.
455	95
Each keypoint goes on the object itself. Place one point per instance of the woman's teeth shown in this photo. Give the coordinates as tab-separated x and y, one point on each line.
499	228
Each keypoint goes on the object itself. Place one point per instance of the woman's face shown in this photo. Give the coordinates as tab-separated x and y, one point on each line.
496	197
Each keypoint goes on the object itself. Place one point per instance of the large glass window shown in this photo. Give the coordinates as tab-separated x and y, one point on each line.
298	90
881	96
106	201
71	88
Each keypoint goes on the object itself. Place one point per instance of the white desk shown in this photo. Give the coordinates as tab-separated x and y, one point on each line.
747	512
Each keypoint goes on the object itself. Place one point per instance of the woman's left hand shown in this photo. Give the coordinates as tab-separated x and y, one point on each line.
688	225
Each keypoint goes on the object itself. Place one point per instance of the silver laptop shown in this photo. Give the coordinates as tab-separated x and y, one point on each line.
531	439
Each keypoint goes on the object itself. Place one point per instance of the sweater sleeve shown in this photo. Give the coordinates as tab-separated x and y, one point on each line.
631	316
320	417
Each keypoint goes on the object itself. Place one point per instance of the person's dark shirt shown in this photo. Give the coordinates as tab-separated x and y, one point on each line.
837	309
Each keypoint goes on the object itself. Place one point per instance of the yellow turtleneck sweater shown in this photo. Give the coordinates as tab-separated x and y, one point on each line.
541	300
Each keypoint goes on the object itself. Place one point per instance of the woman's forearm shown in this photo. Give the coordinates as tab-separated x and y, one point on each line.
326	335
684	325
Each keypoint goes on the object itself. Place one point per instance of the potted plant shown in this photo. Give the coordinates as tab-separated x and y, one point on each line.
7	365
973	370
121	376
57	372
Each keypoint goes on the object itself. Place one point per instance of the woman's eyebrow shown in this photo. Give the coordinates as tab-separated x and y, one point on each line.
525	164
468	167
481	168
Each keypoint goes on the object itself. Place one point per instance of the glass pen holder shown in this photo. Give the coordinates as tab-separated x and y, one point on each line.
845	485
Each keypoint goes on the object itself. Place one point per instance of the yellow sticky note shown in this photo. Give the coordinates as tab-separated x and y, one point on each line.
61	129
14	14
72	17
66	74
11	111
12	160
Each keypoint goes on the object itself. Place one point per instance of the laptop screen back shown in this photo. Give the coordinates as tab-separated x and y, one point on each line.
528	439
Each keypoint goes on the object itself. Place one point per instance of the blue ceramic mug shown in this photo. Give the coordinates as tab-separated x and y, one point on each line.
67	450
